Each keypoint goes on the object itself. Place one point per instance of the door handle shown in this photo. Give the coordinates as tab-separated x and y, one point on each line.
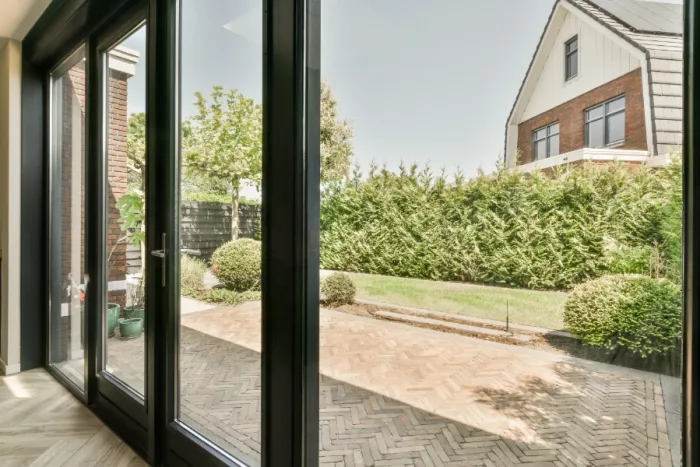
162	255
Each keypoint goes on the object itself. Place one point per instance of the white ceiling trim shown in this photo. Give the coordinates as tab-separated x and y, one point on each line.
18	16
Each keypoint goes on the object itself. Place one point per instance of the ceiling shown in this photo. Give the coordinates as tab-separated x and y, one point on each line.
18	16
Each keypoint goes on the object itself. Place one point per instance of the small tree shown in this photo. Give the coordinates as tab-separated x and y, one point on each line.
132	204
336	136
136	150
224	141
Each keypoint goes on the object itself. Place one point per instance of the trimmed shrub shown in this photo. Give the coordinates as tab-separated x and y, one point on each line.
632	312
540	231
237	264
227	297
338	289
191	273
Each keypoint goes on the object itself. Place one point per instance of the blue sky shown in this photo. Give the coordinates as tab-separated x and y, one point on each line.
420	80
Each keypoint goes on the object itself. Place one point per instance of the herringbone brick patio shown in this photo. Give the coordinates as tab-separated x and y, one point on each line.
396	395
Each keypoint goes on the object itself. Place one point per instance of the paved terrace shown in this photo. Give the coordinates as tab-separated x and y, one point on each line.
396	395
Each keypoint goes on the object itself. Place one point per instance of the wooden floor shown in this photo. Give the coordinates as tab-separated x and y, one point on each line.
42	424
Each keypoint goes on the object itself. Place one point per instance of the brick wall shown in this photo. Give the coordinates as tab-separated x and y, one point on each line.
570	116
117	180
74	87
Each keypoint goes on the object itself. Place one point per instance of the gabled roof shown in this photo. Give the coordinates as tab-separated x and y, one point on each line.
645	16
654	28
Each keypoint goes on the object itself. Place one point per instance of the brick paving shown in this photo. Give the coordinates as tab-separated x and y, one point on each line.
396	395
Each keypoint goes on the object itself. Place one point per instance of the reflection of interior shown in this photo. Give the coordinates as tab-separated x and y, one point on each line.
70	99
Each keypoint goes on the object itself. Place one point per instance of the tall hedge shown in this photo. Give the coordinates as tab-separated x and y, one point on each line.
546	231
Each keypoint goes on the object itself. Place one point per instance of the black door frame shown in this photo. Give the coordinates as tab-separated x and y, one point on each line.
690	413
291	99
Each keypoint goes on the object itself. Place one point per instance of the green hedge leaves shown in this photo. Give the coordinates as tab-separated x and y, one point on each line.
543	231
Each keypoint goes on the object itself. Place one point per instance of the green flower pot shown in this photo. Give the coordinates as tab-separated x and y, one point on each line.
113	310
131	312
130	328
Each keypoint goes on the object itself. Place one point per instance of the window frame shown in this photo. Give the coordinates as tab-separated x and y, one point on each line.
605	117
547	137
567	54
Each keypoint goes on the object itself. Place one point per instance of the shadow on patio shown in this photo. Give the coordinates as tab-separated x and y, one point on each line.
419	397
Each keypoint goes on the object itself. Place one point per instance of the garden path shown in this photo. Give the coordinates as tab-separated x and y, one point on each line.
392	394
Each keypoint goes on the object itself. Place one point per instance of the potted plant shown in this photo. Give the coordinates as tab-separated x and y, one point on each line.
113	310
132	325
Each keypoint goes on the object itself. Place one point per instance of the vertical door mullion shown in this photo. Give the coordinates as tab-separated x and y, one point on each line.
290	193
691	252
162	214
95	238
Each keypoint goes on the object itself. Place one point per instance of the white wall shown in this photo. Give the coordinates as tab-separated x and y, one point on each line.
10	159
601	59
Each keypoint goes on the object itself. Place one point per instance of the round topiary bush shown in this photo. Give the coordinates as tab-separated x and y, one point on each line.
237	264
338	289
632	312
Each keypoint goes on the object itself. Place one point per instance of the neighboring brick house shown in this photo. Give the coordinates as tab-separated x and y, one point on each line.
605	84
122	65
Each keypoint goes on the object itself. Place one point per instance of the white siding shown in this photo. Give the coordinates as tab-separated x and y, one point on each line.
600	60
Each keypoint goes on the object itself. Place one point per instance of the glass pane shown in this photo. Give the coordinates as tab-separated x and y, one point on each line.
595	133
617	104
572	65
616	128
596	112
68	218
541	134
572	46
126	131
540	149
553	129
435	275
221	147
554	145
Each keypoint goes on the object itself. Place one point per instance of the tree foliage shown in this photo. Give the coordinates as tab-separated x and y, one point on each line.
223	142
544	231
136	150
336	139
224	137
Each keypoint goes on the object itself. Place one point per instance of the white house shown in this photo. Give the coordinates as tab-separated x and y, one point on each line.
605	84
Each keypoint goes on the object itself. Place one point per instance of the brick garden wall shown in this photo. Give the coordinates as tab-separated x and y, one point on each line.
570	116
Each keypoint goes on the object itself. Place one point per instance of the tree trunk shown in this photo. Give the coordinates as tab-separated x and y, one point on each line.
234	212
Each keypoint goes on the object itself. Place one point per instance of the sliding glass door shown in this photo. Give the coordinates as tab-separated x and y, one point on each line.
183	226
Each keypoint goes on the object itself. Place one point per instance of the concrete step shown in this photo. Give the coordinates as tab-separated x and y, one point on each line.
467	319
451	325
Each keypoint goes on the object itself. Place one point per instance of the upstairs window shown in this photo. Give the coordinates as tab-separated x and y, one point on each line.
545	141
571	58
605	124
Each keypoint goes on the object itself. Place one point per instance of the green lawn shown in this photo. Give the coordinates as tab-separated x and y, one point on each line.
530	307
